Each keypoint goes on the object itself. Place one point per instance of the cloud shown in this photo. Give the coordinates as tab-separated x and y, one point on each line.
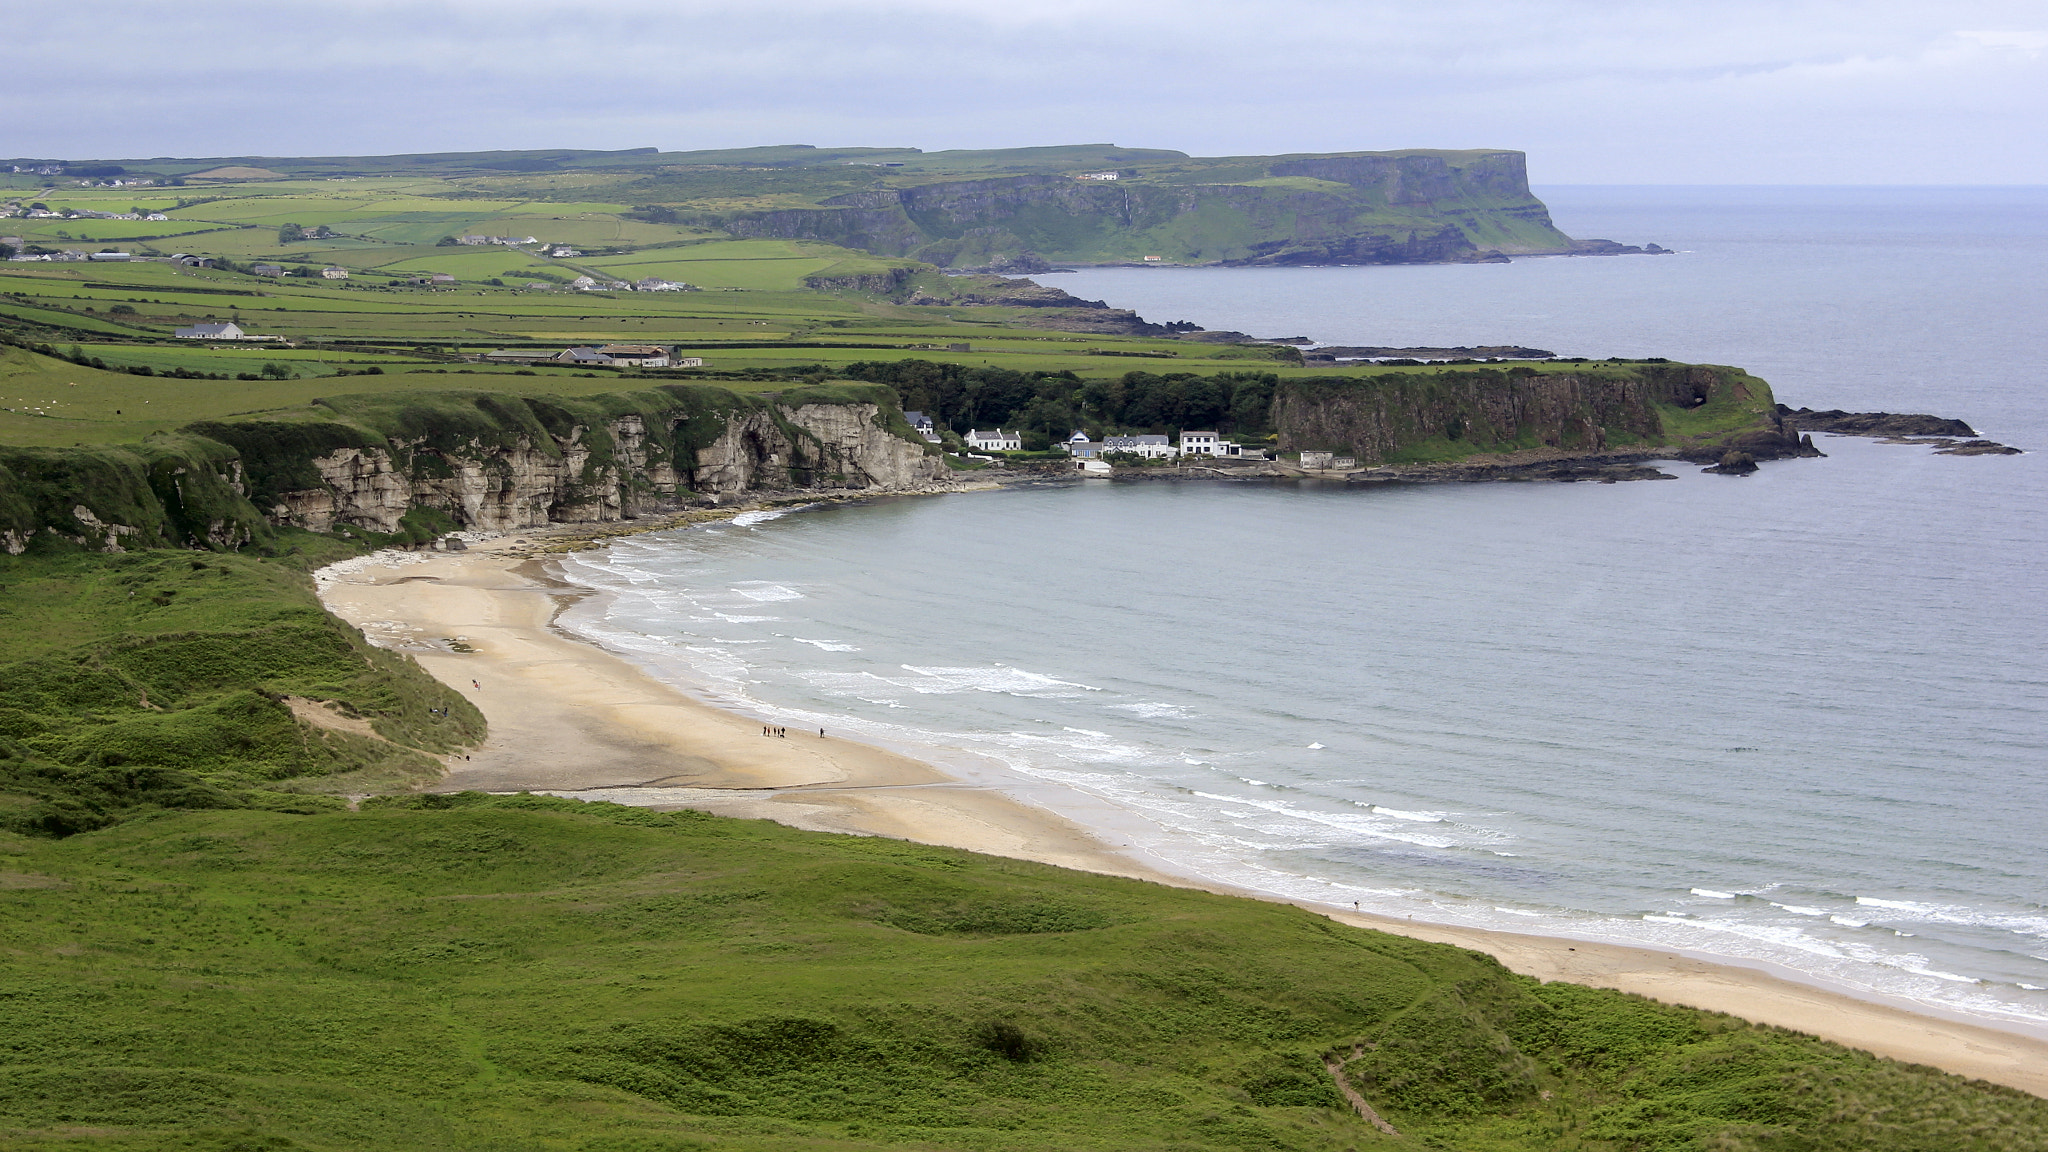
1804	90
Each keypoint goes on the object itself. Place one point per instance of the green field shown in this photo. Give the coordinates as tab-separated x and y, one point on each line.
531	973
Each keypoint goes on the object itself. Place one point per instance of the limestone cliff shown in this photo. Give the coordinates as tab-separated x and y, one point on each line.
415	464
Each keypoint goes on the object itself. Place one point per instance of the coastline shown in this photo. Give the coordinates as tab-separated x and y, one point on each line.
569	716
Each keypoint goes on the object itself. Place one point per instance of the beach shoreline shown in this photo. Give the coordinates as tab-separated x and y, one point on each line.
569	716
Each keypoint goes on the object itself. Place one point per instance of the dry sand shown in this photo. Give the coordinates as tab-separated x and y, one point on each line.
566	715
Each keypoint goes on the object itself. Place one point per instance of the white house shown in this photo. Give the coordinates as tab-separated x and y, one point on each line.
657	284
1100	176
334	273
441	278
583	283
156	216
1149	447
1080	447
923	424
687	362
210	332
636	355
1198	444
588	357
564	250
996	441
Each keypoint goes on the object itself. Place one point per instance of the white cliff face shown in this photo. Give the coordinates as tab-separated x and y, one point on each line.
499	488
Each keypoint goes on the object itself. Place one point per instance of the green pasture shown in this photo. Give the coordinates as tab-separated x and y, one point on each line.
48	402
69	233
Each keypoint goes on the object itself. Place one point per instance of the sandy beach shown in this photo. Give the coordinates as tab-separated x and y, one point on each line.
566	716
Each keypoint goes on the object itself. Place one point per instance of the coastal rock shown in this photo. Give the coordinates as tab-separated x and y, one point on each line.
1947	437
1875	423
1734	464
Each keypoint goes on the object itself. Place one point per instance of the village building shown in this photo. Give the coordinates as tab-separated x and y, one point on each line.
996	441
583	283
156	216
636	355
584	357
687	362
265	270
441	278
1100	176
923	425
564	251
1149	447
1198	443
210	332
1080	447
333	273
657	284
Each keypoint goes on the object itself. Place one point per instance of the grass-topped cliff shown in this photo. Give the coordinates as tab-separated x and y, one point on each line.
1008	209
527	973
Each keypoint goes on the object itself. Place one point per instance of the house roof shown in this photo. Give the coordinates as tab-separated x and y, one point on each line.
633	350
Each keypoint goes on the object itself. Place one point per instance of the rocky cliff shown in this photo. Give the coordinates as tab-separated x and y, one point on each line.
1352	208
1693	412
417	464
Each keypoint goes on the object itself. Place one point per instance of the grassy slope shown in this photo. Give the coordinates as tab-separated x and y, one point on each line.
153	678
499	977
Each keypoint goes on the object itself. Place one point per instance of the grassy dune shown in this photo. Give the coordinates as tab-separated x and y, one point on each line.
536	974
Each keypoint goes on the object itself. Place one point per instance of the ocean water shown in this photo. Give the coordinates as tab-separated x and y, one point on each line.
1797	718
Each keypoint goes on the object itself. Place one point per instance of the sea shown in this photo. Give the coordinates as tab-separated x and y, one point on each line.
1796	720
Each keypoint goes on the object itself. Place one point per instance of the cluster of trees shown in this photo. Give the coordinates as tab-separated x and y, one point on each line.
1046	407
293	233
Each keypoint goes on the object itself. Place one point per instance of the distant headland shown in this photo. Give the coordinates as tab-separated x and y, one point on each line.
1008	210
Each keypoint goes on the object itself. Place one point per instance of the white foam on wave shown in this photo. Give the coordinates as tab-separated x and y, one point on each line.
749	519
1710	894
1417	817
767	592
2022	925
1147	710
826	645
1799	909
1348	823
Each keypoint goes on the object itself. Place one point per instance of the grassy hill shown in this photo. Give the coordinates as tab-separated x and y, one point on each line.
525	973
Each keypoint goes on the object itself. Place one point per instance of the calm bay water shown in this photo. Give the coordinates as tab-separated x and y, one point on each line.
1798	717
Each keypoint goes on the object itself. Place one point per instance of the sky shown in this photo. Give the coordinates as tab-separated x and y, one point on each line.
1595	91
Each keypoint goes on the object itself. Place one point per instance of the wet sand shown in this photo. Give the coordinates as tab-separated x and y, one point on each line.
568	716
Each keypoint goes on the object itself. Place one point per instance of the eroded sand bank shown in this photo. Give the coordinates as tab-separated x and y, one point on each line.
568	716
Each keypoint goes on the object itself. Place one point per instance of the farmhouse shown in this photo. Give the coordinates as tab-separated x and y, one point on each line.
657	284
923	424
210	332
1099	176
996	441
333	273
583	283
587	357
265	270
441	278
636	355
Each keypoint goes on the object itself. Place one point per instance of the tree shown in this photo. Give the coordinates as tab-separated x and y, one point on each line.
290	233
276	371
445	242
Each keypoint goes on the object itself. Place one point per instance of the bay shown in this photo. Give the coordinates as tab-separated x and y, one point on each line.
1795	718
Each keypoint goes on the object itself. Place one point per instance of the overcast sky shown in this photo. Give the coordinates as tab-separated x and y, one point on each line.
1596	91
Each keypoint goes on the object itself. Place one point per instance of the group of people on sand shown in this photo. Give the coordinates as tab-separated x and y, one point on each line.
775	730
